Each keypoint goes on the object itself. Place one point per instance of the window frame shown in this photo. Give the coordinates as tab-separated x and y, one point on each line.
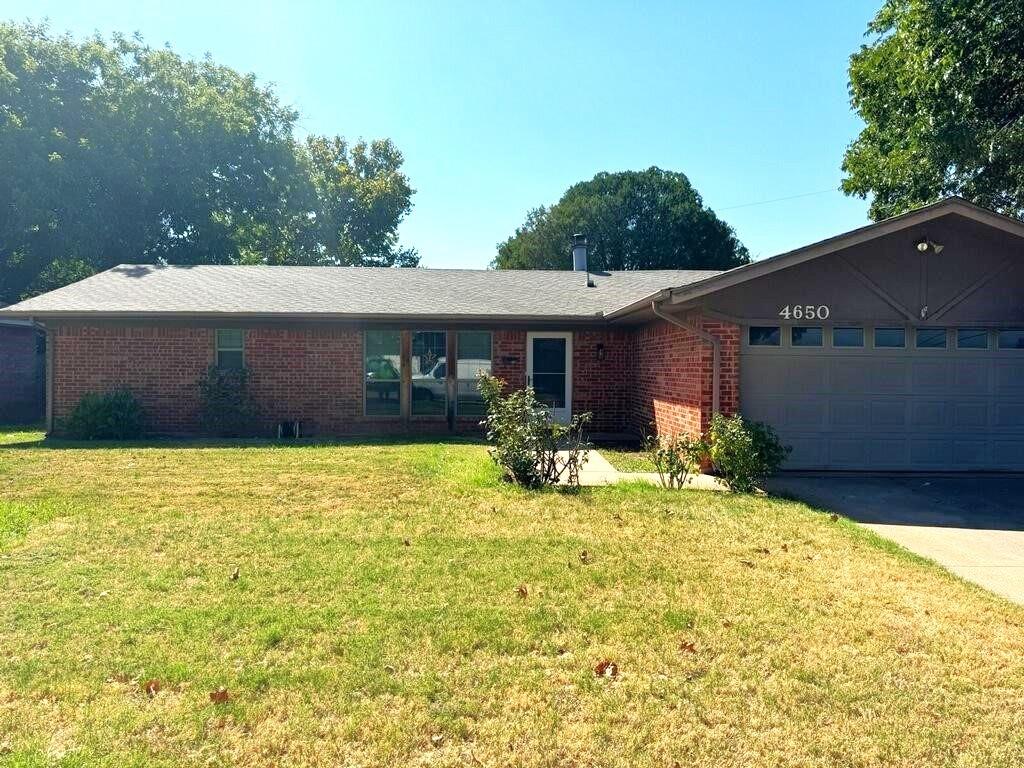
365	411
917	337
218	347
999	339
750	331
412	382
458	359
792	336
863	336
986	334
874	337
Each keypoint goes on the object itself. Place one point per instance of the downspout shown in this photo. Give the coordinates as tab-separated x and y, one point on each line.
707	338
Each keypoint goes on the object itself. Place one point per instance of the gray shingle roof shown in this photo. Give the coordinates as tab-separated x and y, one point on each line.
286	291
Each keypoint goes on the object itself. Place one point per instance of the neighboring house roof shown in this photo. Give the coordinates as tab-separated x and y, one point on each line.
358	292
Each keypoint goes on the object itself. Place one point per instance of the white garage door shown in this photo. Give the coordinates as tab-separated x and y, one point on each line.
889	399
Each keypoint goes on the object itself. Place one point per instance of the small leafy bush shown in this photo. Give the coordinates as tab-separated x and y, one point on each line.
743	452
115	415
225	406
676	457
532	450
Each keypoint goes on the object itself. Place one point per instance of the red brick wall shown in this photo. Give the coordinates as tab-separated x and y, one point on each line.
673	376
310	374
657	373
509	357
160	365
603	386
21	374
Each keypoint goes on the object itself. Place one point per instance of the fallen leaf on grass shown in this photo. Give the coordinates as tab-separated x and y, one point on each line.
522	591
437	739
151	687
606	668
406	542
584	557
747	563
688	646
833	517
235	574
220	696
763	551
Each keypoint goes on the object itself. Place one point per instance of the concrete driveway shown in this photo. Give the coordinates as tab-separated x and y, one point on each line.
972	526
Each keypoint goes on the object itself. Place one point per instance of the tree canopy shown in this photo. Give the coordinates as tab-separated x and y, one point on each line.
651	219
114	152
941	93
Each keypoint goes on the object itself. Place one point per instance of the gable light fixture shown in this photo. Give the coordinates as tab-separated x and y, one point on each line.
924	244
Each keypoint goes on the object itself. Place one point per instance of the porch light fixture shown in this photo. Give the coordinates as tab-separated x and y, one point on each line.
924	244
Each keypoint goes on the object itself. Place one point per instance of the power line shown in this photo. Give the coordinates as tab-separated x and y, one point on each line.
778	199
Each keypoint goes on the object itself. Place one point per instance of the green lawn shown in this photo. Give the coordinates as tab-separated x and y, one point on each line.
397	605
627	458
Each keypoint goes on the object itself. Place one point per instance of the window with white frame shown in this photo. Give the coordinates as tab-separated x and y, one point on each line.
230	348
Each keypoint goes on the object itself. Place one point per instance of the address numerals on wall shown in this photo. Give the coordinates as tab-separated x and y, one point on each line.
805	312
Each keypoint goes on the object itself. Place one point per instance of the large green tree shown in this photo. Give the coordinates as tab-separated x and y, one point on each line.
651	219
115	152
941	91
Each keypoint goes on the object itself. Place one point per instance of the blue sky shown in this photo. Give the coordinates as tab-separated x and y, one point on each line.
500	106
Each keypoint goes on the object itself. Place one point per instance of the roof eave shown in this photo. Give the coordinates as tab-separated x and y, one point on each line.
297	316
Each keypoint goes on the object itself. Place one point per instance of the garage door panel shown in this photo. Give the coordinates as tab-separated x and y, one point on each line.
1008	454
971	415
890	409
935	453
928	414
927	376
767	409
806	413
888	415
886	452
1009	416
807	450
849	412
974	377
971	454
848	374
846	453
1009	376
888	376
811	372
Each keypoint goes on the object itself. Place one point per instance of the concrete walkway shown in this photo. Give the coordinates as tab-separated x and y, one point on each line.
972	526
598	471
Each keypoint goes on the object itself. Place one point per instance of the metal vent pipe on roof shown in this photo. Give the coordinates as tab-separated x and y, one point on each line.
579	253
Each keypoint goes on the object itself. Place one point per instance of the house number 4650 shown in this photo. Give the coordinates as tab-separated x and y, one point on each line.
805	312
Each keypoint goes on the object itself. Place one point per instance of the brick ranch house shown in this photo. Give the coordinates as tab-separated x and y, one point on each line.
897	346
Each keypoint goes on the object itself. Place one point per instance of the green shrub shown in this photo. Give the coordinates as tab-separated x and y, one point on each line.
115	415
532	450
225	406
743	452
676	457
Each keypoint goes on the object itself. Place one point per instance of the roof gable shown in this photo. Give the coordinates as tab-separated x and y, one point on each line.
914	218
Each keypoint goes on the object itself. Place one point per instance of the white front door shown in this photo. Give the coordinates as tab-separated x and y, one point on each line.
549	371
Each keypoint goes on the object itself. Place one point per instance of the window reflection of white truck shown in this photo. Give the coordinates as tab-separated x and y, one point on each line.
429	388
